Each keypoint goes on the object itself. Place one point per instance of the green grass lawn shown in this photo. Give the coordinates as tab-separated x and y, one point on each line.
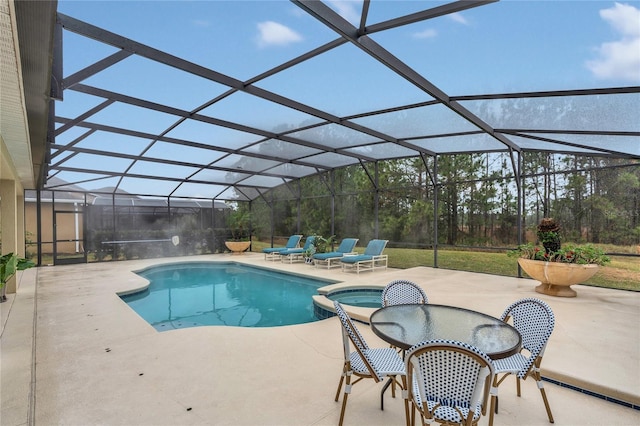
622	273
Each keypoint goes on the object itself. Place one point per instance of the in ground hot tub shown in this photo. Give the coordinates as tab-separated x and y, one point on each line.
357	297
362	297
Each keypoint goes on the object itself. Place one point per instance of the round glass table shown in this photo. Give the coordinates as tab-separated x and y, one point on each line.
407	325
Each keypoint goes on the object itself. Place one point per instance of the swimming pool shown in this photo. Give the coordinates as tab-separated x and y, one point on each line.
196	294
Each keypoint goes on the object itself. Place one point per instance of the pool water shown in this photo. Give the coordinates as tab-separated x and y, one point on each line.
365	298
206	293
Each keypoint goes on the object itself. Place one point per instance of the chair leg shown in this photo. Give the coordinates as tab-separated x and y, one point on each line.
405	396
493	409
344	371
344	406
384	389
339	387
518	385
546	404
406	412
393	387
538	377
347	391
413	414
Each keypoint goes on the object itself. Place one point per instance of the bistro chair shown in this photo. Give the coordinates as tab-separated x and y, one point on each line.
364	362
534	320
448	381
403	292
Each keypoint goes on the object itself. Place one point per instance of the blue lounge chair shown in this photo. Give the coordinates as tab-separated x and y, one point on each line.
332	258
371	259
273	253
297	253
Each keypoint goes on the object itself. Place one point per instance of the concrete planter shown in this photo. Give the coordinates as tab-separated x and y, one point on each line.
556	278
237	247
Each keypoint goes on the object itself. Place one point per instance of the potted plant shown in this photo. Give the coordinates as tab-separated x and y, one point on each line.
239	222
549	234
308	254
320	245
558	268
9	264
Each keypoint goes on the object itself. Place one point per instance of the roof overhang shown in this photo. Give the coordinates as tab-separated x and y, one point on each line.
26	83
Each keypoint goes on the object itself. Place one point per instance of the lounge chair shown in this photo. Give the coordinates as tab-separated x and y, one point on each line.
371	259
297	253
273	253
332	258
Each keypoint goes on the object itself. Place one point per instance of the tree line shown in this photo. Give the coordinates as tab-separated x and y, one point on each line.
472	197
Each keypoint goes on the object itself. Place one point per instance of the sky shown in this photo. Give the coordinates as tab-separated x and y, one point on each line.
507	46
597	42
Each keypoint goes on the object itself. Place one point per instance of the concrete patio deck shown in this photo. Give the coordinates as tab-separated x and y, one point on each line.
73	353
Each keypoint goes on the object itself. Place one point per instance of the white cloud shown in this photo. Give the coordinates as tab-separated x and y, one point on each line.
619	59
347	10
624	18
456	17
274	34
428	33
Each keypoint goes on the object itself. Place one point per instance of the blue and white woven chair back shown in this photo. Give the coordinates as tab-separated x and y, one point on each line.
534	320
403	292
452	374
351	333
